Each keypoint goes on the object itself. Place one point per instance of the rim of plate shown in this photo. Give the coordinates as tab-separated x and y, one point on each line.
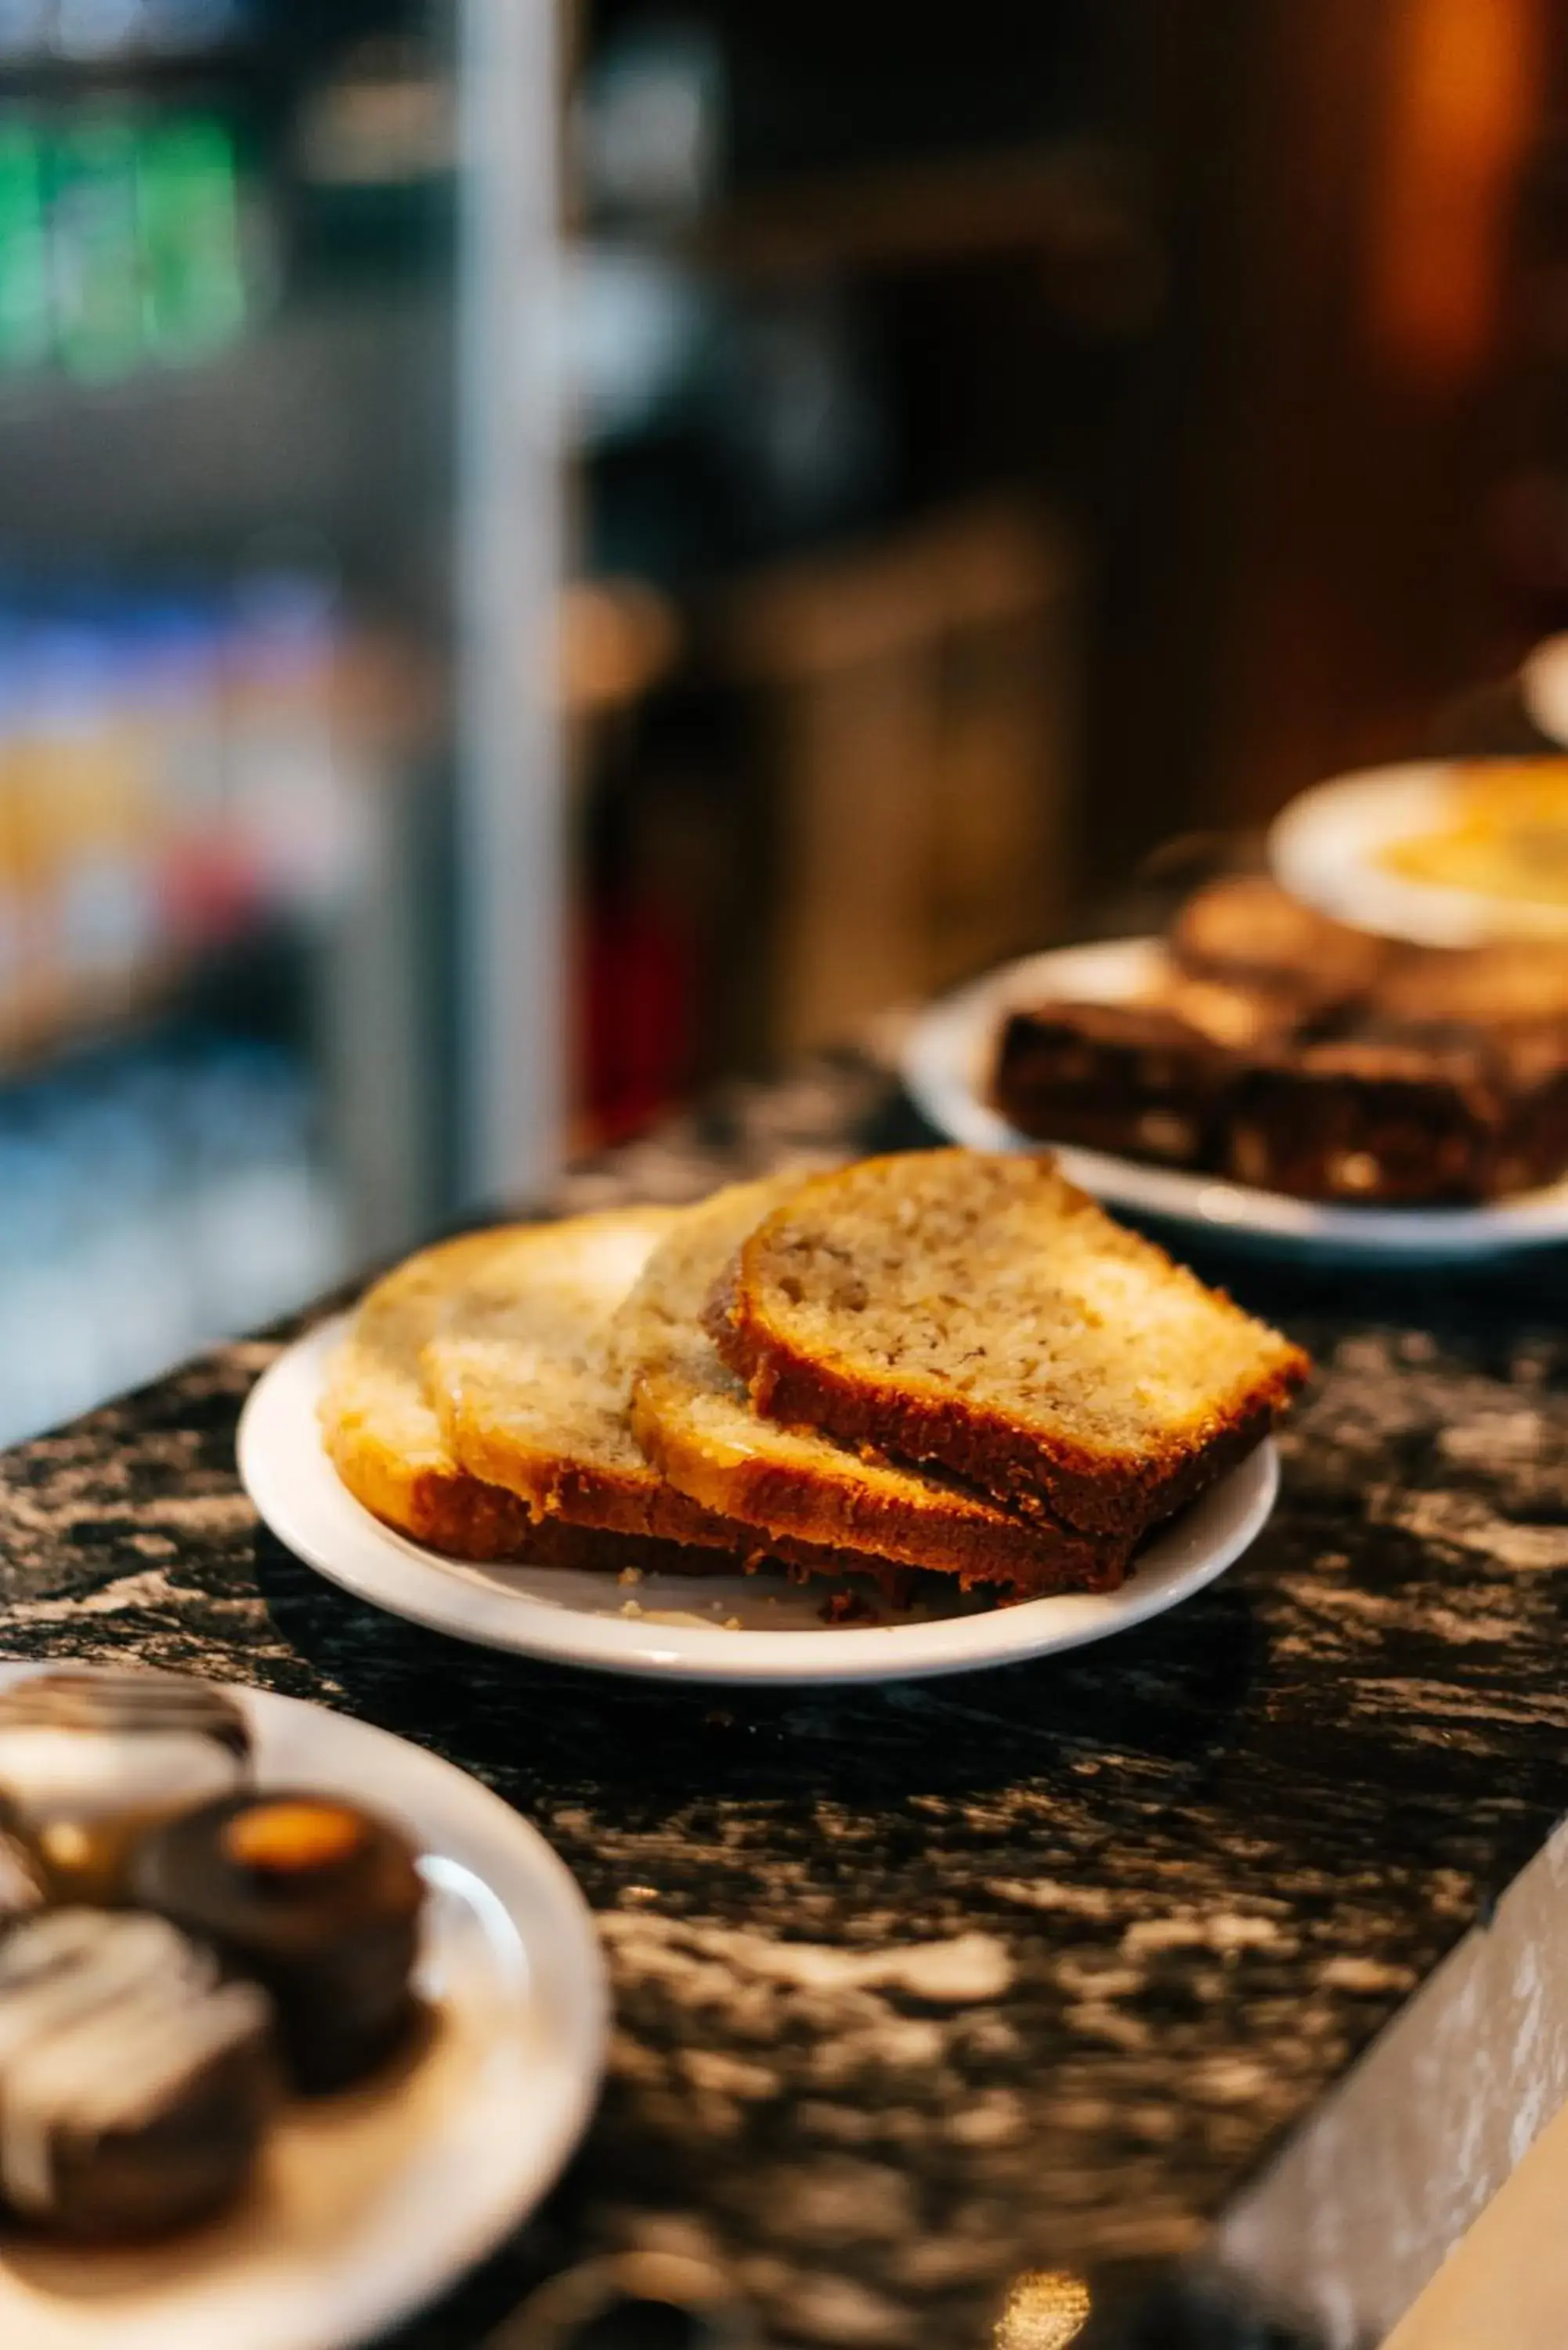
946	1050
1323	848
297	1494
554	1928
1544	684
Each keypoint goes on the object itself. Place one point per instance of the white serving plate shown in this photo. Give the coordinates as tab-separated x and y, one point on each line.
1324	848
370	2202
946	1066
1544	683
746	1627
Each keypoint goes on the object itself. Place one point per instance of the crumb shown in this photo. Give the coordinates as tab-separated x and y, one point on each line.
629	1575
733	1624
846	1608
631	1607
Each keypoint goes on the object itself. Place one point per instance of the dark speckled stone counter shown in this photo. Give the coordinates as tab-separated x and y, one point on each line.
921	1988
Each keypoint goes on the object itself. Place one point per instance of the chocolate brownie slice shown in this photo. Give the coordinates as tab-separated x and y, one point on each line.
1389	1117
1127	1077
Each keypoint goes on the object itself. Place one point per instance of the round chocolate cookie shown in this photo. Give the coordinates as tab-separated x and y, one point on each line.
318	1900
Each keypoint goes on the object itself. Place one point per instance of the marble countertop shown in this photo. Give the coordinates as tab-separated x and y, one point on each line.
922	1990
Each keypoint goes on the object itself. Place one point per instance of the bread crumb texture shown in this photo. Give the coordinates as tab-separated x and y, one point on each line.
978	1310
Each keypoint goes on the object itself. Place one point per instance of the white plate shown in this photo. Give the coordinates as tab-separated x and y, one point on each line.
1543	683
946	1066
369	2203
744	1628
1326	846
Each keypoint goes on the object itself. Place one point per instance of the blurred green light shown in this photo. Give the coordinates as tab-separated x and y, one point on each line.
194	280
24	248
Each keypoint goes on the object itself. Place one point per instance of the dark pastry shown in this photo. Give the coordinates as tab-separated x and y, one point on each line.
1250	933
318	1900
135	2084
89	1760
1127	1077
1533	1147
1388	1117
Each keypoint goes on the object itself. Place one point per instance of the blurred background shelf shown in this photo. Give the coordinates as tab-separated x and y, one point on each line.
1071	208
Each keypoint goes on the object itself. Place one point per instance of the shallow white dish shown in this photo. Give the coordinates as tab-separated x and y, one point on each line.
1544	683
946	1066
370	2202
744	1628
1324	848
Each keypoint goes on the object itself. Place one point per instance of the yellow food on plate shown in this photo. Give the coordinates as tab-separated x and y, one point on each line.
1507	836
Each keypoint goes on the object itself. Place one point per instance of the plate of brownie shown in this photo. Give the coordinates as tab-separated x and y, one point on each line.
296	2020
1269	1075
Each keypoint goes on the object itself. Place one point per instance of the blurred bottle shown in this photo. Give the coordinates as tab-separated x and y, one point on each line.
650	125
264	1225
194	280
296	802
25	330
48	1343
17	879
152	1201
175	670
96	280
93	814
128	1265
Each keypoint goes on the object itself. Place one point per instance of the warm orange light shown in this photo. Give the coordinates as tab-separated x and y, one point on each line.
617	639
1465	81
1045	2310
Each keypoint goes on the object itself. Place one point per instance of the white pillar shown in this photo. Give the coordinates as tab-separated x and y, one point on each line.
510	815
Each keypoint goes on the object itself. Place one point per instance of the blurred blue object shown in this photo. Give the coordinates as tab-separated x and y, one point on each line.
148	1203
633	326
649	122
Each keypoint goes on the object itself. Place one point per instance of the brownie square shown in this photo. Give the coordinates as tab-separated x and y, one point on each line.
1126	1078
1385	1117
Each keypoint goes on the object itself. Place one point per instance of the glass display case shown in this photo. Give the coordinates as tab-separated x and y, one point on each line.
277	795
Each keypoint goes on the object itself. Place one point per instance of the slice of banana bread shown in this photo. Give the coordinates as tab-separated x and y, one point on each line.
530	1396
691	1417
386	1442
976	1310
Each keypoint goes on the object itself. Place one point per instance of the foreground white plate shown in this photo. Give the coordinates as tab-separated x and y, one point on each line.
1326	846
370	2202
744	1628
946	1066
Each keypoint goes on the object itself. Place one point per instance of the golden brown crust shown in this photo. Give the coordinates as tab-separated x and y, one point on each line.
692	1419
385	1442
1025	1468
570	1495
972	1539
463	1517
986	1448
440	1507
545	1485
